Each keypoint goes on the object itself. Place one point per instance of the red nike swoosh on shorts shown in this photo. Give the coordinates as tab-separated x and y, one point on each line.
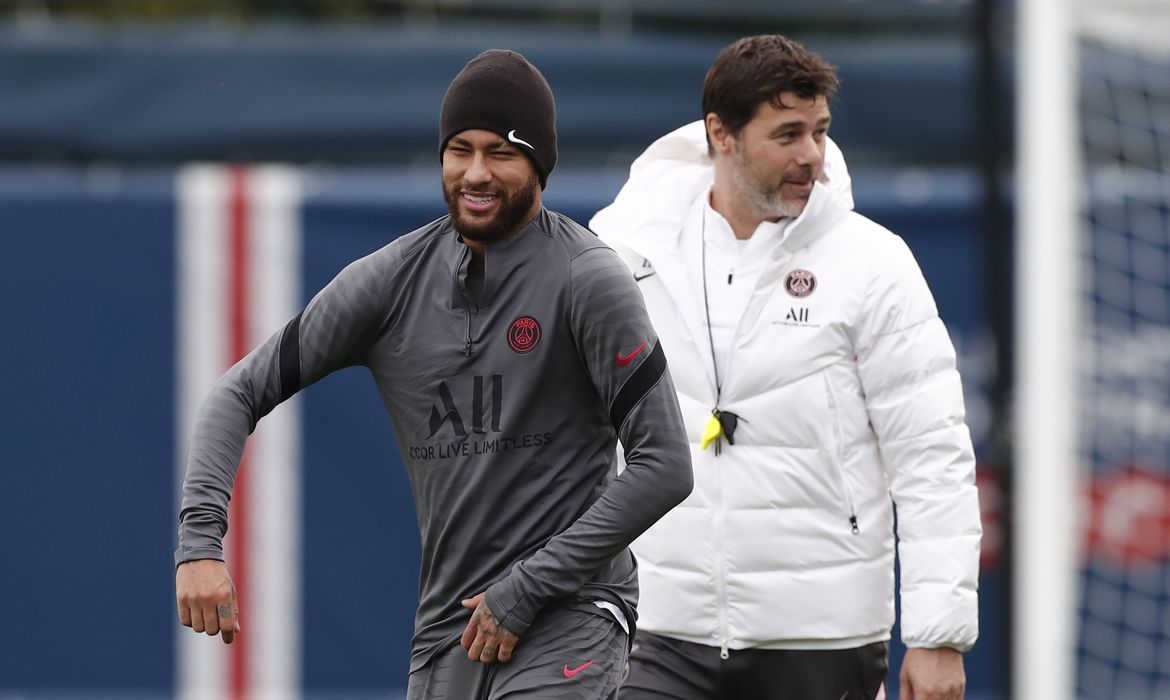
623	361
570	672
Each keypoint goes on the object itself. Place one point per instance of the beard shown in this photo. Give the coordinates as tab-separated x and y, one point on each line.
507	219
763	194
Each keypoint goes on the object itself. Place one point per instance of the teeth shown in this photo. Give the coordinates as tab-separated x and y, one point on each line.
480	199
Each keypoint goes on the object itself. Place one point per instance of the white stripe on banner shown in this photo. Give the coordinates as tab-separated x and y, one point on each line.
202	193
269	644
274	546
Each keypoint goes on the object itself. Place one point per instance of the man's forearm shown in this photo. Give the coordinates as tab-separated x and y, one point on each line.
657	478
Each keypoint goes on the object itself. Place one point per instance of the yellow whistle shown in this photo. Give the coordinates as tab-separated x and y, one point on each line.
712	432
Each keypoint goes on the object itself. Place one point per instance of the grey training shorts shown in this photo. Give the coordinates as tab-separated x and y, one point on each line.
573	653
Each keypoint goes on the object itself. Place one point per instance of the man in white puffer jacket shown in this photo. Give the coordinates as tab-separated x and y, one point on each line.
819	390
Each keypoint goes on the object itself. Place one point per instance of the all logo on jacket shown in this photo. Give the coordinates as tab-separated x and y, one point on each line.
799	284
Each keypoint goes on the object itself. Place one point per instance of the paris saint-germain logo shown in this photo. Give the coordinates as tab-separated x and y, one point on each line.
524	334
800	283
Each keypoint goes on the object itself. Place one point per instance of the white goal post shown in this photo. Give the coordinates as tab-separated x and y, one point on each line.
1091	506
1047	332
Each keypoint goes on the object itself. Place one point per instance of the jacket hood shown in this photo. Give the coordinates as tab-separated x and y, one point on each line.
676	169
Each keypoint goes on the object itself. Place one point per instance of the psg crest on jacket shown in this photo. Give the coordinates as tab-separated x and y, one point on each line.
800	283
524	334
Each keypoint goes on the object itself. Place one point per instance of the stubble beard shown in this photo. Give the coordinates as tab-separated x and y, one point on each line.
763	197
509	216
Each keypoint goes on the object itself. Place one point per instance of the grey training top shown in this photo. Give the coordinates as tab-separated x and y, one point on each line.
506	412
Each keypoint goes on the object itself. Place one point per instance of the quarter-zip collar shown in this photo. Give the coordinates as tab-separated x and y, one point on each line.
502	260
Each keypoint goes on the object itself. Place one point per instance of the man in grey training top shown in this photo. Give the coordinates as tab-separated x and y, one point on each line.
512	351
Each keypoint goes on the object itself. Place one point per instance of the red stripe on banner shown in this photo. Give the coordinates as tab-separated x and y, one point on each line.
239	346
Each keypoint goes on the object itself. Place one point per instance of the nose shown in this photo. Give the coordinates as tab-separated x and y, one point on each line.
478	170
811	152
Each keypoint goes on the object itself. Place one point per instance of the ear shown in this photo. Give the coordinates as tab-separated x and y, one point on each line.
720	139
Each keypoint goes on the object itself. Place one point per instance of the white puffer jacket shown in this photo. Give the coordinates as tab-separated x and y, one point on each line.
849	402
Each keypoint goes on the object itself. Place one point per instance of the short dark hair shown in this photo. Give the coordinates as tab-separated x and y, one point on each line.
757	69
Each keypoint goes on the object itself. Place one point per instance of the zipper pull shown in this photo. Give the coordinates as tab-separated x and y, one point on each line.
853	522
723	653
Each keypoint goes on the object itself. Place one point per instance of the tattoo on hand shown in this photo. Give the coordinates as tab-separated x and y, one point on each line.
489	624
487	621
225	610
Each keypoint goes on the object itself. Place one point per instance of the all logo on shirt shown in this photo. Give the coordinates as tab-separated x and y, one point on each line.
523	335
800	283
446	412
452	436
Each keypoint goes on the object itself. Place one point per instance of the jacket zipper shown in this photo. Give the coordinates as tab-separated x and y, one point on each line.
467	343
720	582
463	292
838	462
720	561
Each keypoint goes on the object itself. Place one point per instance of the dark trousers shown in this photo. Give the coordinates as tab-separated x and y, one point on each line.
662	668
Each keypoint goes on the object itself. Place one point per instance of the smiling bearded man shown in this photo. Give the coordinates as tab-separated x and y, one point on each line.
507	404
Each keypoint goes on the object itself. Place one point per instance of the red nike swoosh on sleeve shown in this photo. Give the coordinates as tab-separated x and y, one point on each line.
623	361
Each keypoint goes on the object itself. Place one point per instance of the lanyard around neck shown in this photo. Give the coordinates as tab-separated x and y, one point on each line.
721	423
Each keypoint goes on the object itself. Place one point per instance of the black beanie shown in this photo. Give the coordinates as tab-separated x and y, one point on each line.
502	92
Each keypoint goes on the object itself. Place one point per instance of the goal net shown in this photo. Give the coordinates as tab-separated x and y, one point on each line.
1123	587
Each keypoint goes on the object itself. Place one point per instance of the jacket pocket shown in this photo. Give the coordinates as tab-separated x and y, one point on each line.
837	456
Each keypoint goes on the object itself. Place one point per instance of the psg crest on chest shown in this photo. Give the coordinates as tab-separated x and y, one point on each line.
523	334
800	283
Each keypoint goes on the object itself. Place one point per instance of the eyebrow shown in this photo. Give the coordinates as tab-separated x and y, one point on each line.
799	124
497	145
